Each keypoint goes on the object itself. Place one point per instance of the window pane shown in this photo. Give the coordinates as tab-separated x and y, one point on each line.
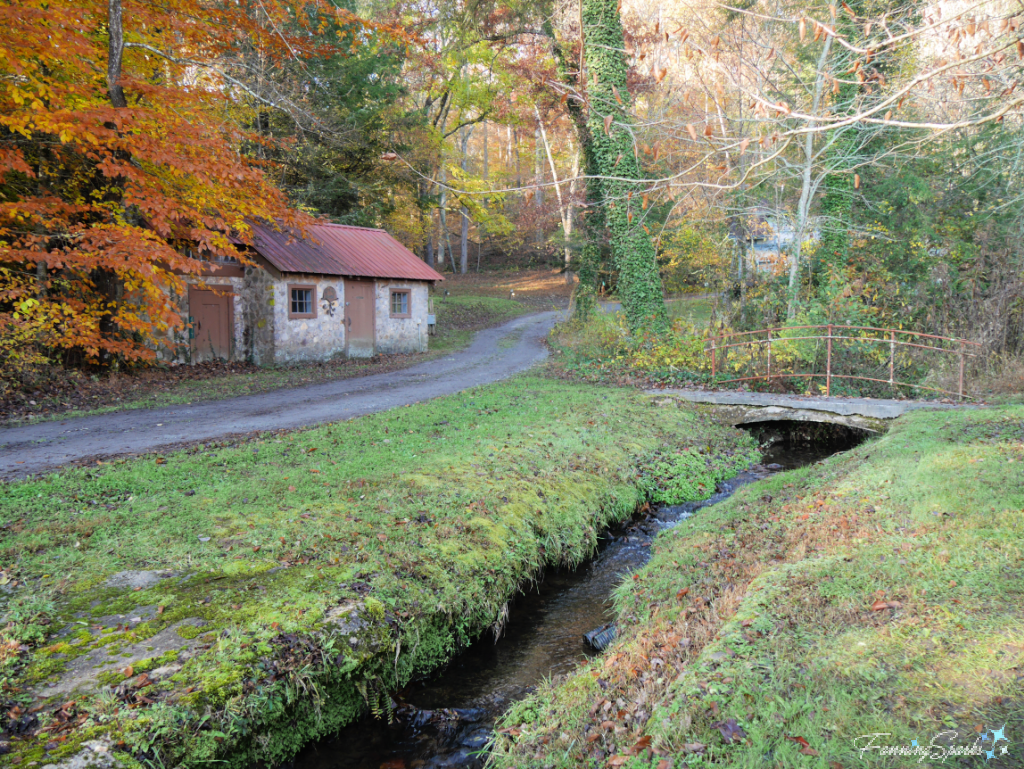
302	301
400	303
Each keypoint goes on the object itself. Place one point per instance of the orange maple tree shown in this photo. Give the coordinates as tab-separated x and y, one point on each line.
123	136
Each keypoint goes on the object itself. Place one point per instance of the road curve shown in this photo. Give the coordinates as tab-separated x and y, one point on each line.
33	449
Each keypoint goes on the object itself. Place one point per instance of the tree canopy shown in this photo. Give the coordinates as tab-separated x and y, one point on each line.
138	139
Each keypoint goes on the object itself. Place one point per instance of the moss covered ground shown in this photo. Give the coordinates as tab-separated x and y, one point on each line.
230	603
828	617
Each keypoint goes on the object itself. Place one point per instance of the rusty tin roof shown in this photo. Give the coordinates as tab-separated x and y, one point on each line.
337	249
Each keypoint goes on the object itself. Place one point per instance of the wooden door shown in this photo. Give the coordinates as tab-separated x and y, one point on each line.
359	318
211	316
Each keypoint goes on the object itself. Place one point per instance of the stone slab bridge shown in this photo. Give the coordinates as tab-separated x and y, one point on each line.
746	408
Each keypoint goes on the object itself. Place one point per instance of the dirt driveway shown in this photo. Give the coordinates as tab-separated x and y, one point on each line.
495	354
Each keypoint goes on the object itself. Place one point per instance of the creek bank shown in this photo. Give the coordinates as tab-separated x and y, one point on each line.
544	637
879	591
288	585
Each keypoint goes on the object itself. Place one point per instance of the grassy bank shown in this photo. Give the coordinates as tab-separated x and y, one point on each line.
879	592
232	603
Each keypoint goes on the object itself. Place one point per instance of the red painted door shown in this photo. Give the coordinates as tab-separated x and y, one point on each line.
211	316
359	317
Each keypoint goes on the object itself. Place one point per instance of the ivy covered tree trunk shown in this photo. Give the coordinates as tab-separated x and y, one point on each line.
615	162
587	268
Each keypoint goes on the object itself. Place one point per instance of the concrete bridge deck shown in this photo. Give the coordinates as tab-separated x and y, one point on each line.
872	414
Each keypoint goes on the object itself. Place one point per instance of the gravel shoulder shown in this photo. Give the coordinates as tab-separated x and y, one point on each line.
494	354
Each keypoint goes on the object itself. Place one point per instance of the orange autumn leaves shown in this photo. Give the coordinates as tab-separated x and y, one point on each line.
99	204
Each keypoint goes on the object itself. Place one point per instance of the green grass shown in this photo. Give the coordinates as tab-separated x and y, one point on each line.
459	317
880	592
420	523
695	310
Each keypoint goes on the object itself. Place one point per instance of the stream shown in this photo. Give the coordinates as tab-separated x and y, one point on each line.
445	722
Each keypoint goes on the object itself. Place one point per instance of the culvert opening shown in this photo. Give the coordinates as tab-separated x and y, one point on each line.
791	443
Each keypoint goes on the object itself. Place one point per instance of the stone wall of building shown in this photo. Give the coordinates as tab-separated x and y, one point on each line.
402	335
264	334
173	345
258	301
300	339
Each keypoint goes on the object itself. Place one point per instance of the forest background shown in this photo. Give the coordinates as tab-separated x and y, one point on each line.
640	146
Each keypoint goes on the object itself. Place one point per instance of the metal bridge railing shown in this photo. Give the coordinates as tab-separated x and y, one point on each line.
764	339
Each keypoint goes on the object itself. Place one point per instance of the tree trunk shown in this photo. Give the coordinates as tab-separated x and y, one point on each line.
107	282
565	209
806	189
115	51
570	215
443	230
486	169
430	243
584	300
519	167
463	211
639	282
538	180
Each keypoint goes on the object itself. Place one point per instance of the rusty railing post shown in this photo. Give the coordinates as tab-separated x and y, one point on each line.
828	365
960	391
892	359
768	379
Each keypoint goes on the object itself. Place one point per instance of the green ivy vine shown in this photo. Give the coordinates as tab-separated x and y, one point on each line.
616	170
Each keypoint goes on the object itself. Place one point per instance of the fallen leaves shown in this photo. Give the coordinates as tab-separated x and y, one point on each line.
881	605
805	746
730	730
642	744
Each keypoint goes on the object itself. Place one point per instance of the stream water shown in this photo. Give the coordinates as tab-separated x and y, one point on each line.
445	722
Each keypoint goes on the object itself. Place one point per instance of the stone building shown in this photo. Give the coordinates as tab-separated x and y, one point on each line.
339	290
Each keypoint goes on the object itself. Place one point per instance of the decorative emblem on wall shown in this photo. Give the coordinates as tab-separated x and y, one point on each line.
330	300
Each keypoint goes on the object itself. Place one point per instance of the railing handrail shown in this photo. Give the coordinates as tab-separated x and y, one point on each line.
892	341
843	326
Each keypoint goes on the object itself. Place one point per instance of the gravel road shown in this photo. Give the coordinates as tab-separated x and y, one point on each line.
495	353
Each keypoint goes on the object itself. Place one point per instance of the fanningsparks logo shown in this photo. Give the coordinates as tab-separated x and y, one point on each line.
990	744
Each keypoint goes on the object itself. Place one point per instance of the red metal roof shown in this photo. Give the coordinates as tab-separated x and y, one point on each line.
337	249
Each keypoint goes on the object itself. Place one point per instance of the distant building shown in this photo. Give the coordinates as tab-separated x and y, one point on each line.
339	290
766	238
